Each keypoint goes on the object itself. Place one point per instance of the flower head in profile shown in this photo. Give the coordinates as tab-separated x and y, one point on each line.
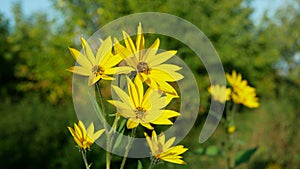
84	138
163	150
220	93
148	64
99	67
242	93
245	95
142	108
235	80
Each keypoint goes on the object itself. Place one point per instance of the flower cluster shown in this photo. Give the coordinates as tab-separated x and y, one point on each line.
148	91
85	138
242	93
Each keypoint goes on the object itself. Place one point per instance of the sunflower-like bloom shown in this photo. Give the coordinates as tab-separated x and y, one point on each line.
140	108
149	64
245	95
218	91
85	138
98	67
162	150
242	93
235	80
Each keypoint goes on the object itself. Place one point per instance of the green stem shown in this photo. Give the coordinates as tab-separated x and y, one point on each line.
152	164
128	148
107	133
230	144
83	152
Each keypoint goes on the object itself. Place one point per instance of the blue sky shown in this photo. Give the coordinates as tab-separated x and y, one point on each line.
30	6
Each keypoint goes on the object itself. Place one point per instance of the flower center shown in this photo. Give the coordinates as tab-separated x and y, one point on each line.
97	70
143	67
139	113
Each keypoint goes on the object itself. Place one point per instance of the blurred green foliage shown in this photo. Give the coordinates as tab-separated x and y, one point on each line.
36	90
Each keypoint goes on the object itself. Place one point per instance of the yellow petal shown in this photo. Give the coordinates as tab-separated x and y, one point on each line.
71	131
168	68
81	59
168	89
78	131
149	141
105	77
98	134
123	96
119	70
166	75
147	125
140	41
88	51
112	60
133	92
90	129
104	50
125	54
82	128
79	70
173	160
160	58
124	109
161	138
151	51
169	143
131	124
128	42
93	79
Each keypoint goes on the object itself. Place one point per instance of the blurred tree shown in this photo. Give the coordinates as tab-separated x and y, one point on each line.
7	68
40	54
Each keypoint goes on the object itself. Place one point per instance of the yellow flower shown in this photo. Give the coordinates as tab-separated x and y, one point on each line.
245	95
142	108
148	64
242	93
84	138
274	166
235	80
162	150
98	67
231	129
218	91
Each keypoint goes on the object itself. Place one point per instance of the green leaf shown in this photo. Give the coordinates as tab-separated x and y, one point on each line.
119	139
140	165
244	156
97	108
200	151
122	124
212	151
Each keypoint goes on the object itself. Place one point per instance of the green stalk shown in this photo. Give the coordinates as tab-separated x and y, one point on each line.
107	133
152	164
83	152
128	148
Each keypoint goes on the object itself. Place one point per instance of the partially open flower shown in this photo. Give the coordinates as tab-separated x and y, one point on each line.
162	150
85	138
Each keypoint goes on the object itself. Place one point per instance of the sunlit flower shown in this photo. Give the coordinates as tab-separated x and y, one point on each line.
98	67
231	129
235	80
274	166
162	149
142	108
149	64
84	138
242	93
220	93
245	95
